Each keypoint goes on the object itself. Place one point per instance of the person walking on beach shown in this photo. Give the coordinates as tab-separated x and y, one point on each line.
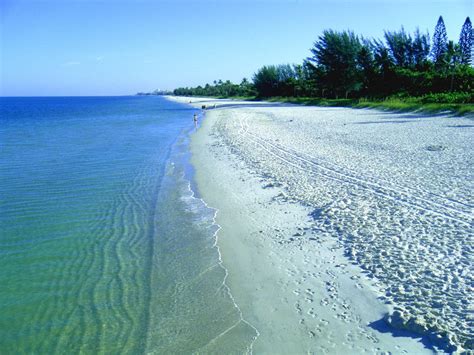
195	119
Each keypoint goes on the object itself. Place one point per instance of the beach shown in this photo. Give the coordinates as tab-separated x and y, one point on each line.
341	230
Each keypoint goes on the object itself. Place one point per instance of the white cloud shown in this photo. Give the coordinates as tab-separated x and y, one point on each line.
71	63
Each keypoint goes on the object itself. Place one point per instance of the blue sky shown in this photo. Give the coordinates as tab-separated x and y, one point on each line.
119	47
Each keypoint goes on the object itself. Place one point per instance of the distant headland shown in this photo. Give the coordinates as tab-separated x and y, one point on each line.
156	92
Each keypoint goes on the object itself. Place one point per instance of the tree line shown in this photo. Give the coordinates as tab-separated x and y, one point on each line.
220	89
345	65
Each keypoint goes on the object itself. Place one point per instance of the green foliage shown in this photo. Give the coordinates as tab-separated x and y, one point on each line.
440	42
396	73
393	103
382	59
465	42
405	51
336	54
277	80
448	98
366	66
420	49
219	89
266	81
415	104
400	46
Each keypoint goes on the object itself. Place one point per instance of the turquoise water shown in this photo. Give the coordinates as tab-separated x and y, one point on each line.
103	245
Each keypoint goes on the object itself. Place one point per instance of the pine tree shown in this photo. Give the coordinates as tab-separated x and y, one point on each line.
465	41
400	46
421	48
336	55
440	42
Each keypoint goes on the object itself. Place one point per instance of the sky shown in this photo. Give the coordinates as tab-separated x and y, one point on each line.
120	47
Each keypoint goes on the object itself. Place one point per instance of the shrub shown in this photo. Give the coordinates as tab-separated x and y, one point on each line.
448	98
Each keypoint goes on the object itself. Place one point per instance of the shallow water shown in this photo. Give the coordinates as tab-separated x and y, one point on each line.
103	246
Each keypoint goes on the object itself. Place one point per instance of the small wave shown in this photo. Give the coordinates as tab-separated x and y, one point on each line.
199	206
194	309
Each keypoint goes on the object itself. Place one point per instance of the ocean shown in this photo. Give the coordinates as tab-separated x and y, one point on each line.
105	244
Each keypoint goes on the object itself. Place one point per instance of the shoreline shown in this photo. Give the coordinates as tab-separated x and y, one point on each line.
293	282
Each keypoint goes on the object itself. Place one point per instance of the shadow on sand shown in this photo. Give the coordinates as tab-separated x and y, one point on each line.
382	327
383	121
462	126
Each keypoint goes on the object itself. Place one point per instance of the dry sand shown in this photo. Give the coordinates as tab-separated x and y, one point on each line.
334	218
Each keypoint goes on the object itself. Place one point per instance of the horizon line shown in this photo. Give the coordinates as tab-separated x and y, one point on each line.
7	96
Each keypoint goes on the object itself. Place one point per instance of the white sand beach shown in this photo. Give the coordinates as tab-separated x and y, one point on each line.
342	230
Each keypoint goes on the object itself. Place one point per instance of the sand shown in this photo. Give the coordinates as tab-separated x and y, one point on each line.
343	231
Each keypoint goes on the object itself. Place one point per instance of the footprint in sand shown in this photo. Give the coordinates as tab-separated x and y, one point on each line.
311	313
324	322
